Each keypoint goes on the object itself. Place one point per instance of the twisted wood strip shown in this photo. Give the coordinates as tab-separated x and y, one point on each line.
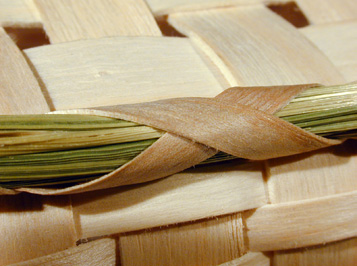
199	127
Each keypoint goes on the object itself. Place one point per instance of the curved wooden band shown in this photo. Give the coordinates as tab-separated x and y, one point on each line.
238	121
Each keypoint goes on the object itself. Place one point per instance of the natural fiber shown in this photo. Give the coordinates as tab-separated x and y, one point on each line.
113	52
199	127
67	149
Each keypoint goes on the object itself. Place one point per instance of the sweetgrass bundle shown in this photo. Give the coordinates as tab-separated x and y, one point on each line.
59	150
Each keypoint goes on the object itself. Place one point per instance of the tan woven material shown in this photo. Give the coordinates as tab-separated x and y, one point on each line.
299	210
198	128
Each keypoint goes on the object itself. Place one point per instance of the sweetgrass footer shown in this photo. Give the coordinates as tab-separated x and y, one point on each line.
56	149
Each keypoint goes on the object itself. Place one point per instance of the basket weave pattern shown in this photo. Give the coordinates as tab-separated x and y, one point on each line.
297	210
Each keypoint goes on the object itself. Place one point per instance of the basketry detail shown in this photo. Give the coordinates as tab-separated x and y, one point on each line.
112	52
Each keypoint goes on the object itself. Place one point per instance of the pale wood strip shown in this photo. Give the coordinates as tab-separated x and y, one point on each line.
95	253
322	76
69	20
208	242
313	175
325	11
160	7
191	195
285	186
250	259
32	226
339	42
217	73
302	223
19	13
332	254
121	70
254	46
28	224
19	89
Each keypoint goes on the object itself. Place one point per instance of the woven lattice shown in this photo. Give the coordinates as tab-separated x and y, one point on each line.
297	210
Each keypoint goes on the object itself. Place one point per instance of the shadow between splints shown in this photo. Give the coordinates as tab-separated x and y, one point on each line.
25	202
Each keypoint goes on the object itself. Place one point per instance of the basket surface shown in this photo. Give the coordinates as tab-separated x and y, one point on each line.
298	210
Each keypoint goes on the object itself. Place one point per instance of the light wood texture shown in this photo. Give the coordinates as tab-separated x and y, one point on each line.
257	36
19	13
332	254
249	259
70	20
286	57
339	42
208	242
302	223
197	120
254	46
328	172
217	73
28	224
18	85
325	11
95	253
199	27
313	175
33	226
121	70
160	7
191	195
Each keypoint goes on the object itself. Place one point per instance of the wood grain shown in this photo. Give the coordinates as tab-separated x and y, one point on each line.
312	175
70	20
326	11
160	8
19	13
33	226
280	67
338	41
18	84
167	67
28	224
254	46
249	259
302	223
280	55
205	242
332	254
191	195
95	253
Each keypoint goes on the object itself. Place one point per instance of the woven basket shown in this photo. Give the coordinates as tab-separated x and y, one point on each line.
298	210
